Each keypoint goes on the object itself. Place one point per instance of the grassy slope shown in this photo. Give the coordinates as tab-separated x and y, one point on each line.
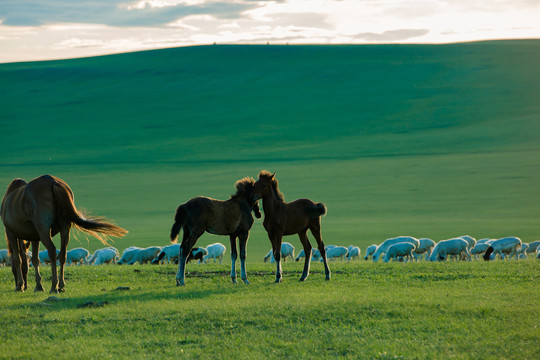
433	141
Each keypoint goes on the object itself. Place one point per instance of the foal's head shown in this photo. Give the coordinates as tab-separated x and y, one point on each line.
244	191
267	182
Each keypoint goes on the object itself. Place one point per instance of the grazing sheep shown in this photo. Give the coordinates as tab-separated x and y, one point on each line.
77	256
197	253
5	258
450	247
425	247
479	249
145	255
171	253
533	247
383	248
508	245
370	251
301	254
337	252
404	249
106	255
215	251
522	253
44	256
286	250
469	239
128	254
168	253
353	252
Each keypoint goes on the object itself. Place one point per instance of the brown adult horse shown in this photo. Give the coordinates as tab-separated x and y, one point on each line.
296	217
231	217
37	211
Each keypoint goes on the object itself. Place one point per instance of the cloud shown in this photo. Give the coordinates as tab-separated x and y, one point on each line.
116	12
392	35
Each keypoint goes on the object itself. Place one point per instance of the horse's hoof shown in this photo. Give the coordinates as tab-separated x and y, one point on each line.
302	279
278	281
39	289
53	291
179	283
234	281
246	281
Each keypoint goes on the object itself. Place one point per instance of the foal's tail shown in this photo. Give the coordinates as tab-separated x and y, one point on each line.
316	210
489	251
98	227
180	219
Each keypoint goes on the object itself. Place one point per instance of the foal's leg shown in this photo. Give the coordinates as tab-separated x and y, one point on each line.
307	250
35	262
234	256
276	239
188	241
64	236
315	228
243	238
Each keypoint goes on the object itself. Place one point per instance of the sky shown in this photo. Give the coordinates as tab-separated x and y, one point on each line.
59	29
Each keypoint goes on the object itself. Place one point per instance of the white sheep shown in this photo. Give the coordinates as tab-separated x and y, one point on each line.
286	250
370	251
522	253
479	249
215	251
145	255
508	245
533	247
5	258
77	256
469	239
383	248
444	248
353	252
44	256
425	247
336	252
106	255
128	254
168	253
485	240
404	249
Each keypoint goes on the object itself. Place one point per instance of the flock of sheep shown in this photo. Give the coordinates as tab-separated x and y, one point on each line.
402	248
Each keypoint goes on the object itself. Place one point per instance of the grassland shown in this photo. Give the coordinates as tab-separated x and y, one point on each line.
431	141
466	310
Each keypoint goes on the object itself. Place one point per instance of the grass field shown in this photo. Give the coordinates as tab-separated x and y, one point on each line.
453	310
424	140
431	141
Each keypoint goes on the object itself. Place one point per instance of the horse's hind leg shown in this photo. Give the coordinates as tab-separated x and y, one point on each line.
13	244
188	241
35	262
307	250
64	236
24	263
315	228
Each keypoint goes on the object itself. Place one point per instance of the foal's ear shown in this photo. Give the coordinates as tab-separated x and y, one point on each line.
273	175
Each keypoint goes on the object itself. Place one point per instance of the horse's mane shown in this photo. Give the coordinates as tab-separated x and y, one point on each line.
242	186
274	182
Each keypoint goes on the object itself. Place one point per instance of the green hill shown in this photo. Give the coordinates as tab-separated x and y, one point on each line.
427	140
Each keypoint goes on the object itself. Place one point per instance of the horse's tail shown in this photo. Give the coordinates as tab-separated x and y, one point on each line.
488	253
316	210
98	227
180	219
